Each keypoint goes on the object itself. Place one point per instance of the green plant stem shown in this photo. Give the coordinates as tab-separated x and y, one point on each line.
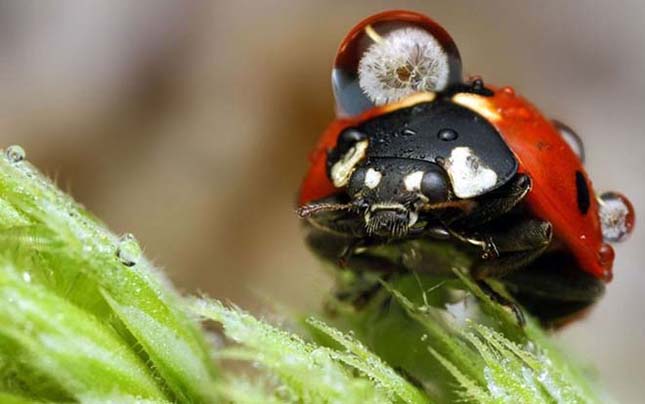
86	318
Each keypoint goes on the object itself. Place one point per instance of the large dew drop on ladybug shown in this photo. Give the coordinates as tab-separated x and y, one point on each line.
390	56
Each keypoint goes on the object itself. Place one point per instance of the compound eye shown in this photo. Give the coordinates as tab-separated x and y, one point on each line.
390	56
435	185
348	138
572	139
357	181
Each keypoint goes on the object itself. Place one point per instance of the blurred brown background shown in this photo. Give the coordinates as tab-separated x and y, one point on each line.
188	124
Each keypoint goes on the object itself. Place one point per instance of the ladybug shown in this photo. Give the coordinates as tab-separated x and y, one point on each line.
420	157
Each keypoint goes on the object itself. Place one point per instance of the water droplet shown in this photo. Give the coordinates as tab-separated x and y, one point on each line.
26	276
424	337
477	83
320	356
517	113
447	135
128	251
15	154
606	259
617	217
508	90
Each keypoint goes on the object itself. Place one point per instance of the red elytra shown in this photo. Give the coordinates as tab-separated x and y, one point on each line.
542	154
552	165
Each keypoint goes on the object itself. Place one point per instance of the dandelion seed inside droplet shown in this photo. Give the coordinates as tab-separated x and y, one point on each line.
128	251
405	61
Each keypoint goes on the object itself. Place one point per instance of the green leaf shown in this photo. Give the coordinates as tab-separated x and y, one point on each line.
309	373
86	317
69	345
67	253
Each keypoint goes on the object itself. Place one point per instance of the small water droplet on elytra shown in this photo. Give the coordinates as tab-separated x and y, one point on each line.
517	113
128	250
15	154
508	90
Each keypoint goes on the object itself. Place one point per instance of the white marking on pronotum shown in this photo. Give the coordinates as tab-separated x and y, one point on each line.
468	175
402	62
372	178
479	104
413	181
343	169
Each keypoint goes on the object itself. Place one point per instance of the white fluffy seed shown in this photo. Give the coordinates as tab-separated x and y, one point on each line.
403	62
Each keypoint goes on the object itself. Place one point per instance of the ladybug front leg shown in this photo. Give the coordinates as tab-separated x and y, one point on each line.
340	250
507	248
511	245
494	204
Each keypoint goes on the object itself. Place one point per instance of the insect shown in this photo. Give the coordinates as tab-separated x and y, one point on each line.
421	157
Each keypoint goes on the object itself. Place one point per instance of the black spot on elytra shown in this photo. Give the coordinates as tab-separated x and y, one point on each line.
582	193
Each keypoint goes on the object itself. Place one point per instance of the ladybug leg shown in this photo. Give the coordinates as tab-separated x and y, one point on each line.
495	203
509	304
511	245
341	251
554	289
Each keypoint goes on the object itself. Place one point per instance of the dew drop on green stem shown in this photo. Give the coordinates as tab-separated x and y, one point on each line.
15	154
128	250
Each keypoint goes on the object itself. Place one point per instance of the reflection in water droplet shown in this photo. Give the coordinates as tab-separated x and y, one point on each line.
128	251
617	217
320	356
447	135
517	113
15	154
508	90
606	259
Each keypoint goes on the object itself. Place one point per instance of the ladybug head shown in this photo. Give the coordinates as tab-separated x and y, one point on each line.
393	193
384	197
392	55
404	170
